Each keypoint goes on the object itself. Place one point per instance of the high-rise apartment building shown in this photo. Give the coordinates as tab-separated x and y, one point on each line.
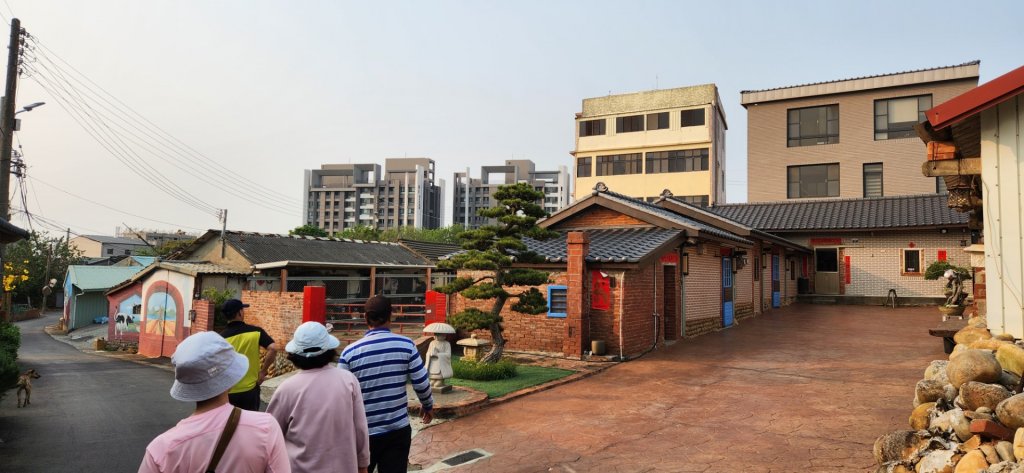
642	143
471	194
404	193
846	138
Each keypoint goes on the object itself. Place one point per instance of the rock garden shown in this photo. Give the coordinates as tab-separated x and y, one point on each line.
968	411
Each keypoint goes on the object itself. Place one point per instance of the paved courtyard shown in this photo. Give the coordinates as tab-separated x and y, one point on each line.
805	388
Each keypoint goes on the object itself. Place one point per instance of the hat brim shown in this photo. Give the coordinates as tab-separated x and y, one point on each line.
213	387
330	344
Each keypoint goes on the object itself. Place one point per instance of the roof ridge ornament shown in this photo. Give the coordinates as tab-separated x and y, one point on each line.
667	193
600	187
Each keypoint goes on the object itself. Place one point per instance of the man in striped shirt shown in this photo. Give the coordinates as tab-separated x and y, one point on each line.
383	362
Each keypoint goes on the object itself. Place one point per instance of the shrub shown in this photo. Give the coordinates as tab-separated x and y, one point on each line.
10	340
938	268
464	369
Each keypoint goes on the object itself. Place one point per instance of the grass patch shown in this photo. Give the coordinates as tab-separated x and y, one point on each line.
526	376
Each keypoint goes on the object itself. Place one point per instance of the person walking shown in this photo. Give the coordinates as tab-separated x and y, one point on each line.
247	340
217	436
320	409
383	362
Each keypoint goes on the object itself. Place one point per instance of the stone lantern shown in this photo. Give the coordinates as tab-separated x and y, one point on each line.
473	348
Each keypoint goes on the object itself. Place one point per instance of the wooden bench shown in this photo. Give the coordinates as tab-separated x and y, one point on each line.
946	330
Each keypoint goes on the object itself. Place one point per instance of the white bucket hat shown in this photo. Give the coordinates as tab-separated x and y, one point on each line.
311	339
205	365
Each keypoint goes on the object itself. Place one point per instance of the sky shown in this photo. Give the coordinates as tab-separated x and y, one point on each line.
158	113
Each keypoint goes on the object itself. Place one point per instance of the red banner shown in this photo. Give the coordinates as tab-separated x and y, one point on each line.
942	255
826	241
846	268
600	291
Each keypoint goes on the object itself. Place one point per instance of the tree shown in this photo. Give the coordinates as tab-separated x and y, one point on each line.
447	234
308	230
166	248
493	249
26	264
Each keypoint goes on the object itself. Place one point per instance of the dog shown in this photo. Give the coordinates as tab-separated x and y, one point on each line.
25	386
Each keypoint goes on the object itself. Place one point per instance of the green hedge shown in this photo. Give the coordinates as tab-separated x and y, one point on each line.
10	341
503	369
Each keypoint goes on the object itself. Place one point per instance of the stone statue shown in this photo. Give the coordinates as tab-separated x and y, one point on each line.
439	362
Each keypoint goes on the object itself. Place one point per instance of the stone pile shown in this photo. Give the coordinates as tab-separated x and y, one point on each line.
978	383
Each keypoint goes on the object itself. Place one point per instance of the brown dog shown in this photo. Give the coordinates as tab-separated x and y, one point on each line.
25	386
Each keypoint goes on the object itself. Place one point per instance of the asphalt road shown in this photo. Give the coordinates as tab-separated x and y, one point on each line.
89	413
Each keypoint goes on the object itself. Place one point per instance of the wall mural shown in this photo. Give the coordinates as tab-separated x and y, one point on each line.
129	315
161	313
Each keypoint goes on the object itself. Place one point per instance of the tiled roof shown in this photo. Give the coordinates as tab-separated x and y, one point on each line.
432	251
611	245
753	231
260	248
929	210
196	268
970	63
671	216
115	240
100	278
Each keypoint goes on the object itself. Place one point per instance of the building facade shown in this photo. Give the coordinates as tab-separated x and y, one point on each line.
641	143
404	193
473	195
156	238
846	138
101	246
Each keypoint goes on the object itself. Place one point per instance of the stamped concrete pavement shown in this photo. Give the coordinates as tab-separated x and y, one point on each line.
804	388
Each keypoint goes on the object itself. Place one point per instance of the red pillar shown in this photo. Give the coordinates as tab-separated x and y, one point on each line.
576	326
314	304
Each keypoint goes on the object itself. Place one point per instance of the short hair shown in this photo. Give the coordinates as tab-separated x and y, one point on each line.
313	362
377	310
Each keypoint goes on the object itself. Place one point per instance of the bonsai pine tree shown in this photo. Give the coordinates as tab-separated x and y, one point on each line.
492	250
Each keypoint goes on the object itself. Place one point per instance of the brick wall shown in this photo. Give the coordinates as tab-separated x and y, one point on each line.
595	217
604	324
279	313
704	287
639	304
204	315
744	291
875	260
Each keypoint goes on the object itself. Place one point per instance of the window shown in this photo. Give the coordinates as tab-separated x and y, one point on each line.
692	117
700	200
873	180
110	251
911	263
584	167
818	180
127	252
592	127
813	126
677	161
618	164
558	301
940	186
136	309
629	124
792	270
895	118
657	121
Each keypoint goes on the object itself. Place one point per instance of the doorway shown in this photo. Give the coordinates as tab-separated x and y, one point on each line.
727	293
826	270
671	306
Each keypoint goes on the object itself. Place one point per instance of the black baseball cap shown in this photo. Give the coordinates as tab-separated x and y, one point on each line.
232	306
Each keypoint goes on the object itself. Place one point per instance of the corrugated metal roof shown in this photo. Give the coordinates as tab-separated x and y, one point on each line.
612	245
196	268
100	278
978	99
431	250
910	211
969	63
259	248
145	260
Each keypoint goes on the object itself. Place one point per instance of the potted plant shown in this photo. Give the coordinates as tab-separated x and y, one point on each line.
956	294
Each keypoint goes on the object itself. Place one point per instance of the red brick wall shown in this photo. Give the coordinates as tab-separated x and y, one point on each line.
204	315
279	313
595	217
577	327
638	307
604	324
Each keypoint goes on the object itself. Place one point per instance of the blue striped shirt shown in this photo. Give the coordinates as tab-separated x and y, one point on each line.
383	362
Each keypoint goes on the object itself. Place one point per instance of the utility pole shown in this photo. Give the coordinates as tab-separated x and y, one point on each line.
223	230
7	118
7	141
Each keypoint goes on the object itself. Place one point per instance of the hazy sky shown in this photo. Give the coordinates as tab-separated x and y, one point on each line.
260	90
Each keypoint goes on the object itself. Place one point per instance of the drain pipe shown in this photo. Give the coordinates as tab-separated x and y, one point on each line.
622	292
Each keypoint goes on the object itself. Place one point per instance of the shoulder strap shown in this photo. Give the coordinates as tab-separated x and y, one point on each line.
225	438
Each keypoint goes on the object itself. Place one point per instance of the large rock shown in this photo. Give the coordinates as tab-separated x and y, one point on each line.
1011	357
921	416
952	420
929	390
936	371
1005	451
987	344
938	461
973	365
1018	443
991	455
1011	412
969	334
958	350
971	462
1004	336
1008	379
1005	467
901	445
974	395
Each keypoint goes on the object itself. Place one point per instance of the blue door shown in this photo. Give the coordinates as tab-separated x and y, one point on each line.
727	303
776	296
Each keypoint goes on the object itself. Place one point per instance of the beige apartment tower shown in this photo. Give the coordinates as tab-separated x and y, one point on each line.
848	138
642	143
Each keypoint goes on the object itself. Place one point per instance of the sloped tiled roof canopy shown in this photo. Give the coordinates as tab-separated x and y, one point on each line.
610	245
913	211
269	250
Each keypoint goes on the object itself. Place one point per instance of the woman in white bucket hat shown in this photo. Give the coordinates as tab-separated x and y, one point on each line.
217	436
320	408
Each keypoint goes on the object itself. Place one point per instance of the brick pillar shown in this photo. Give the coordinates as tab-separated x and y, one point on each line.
204	316
577	315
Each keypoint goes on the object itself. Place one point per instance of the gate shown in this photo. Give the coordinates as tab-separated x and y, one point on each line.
727	293
776	295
